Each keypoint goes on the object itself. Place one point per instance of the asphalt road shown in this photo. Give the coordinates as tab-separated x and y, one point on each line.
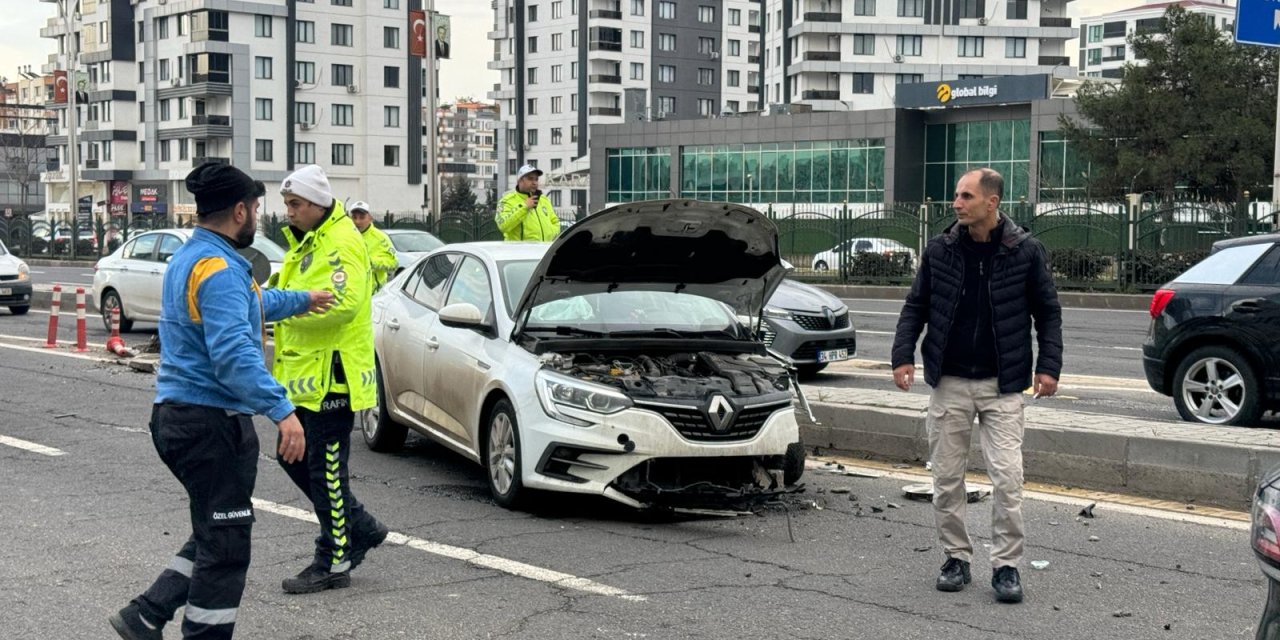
86	530
79	276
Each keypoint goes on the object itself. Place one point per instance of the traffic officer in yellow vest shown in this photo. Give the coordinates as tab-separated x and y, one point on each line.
326	364
382	254
526	214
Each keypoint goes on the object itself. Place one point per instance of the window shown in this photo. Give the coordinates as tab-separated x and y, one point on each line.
1224	267
735	17
471	286
556	72
1015	47
340	3
169	245
391	155
637	7
304	153
426	286
533	44
734	78
391	117
305	112
184	149
706	76
910	45
864	82
262	68
909	78
666	42
164	69
166	153
557	103
1015	10
706	106
666	73
341	35
1095	33
911	8
262	108
1095	56
557	135
637	39
557	10
706	14
970	46
532	108
182	109
343	75
162	27
971	8
557	42
306	72
573	71
306	31
343	115
666	10
735	48
141	31
706	45
533	13
143	247
262	26
573	102
666	104
390	4
573	133
343	154
532	137
164	110
391	77
390	38
864	7
263	150
864	44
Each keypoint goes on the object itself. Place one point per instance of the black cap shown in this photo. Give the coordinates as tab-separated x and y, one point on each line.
218	186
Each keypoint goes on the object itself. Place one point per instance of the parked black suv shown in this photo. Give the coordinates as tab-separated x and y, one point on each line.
1214	341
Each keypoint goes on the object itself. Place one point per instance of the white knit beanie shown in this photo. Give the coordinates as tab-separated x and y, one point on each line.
310	184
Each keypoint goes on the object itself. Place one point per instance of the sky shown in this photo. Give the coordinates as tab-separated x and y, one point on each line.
464	75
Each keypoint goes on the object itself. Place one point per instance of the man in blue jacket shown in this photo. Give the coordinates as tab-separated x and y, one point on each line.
212	380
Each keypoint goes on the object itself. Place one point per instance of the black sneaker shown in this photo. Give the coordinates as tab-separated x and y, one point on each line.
1007	584
316	578
954	576
128	623
361	546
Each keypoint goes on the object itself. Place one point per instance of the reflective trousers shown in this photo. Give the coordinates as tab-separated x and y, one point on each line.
215	457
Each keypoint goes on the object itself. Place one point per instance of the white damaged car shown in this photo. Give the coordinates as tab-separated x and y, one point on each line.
613	361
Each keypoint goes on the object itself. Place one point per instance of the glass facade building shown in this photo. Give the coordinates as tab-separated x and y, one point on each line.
642	173
952	149
1064	174
802	172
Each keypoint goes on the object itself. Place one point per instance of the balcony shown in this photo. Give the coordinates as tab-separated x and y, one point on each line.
816	16
604	111
753	89
822	56
600	45
200	84
604	79
91	163
1119	58
1055	22
52	165
820	94
753	28
206	119
753	59
606	14
199	160
1053	61
90	125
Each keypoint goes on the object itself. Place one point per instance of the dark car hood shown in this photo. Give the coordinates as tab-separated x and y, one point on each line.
717	250
797	296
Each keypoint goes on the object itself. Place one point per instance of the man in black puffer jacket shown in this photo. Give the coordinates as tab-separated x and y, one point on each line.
981	285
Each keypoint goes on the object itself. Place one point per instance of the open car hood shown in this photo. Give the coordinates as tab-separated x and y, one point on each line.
716	250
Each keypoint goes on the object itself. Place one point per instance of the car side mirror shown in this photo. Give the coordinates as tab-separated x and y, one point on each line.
463	315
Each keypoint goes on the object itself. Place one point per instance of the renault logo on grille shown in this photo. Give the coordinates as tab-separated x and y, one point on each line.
831	316
720	412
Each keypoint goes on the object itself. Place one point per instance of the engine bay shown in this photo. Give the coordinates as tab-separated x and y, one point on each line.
676	375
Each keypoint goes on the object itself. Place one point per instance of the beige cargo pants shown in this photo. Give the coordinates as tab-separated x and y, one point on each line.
950	423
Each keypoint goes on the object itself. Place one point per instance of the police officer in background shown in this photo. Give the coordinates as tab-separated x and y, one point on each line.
526	214
326	363
212	380
382	254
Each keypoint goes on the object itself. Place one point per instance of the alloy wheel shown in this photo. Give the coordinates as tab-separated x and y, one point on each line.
1215	390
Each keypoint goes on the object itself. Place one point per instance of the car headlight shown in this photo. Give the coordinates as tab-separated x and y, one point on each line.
557	392
775	312
24	272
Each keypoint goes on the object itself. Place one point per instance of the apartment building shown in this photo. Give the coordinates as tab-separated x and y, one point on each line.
1104	39
24	124
467	145
266	85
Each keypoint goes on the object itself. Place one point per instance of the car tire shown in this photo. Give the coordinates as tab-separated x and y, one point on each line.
793	463
20	311
1220	382
502	456
381	431
112	299
807	371
820	265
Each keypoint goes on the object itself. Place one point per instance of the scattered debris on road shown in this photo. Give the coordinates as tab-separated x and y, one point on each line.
1087	512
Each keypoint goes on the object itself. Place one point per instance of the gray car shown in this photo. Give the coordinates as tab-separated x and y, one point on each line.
810	326
411	244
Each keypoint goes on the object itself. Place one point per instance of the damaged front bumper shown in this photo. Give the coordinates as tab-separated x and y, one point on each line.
705	483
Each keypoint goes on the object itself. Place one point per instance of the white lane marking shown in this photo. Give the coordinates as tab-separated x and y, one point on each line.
513	567
874	333
30	339
1065	309
875	313
57	352
1129	509
31	446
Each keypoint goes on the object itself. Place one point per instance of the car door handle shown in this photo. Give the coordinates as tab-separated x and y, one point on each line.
393	324
1247	306
433	343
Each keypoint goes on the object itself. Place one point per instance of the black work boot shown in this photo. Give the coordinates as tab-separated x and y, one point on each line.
128	623
362	545
316	578
1007	584
954	576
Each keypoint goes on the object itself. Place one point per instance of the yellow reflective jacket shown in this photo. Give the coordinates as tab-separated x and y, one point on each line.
518	222
333	257
382	255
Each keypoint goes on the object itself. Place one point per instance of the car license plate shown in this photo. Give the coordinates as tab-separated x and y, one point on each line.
833	355
6	292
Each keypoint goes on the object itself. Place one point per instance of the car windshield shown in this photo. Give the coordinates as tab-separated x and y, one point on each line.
415	242
515	276
270	250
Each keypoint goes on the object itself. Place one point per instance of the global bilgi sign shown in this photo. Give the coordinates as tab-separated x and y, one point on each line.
972	92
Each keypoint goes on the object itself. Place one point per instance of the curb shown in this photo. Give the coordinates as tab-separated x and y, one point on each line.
1069	299
1169	468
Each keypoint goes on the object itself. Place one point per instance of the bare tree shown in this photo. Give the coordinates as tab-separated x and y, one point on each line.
22	155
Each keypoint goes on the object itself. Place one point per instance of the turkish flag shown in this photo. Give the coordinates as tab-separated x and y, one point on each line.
60	87
418	33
